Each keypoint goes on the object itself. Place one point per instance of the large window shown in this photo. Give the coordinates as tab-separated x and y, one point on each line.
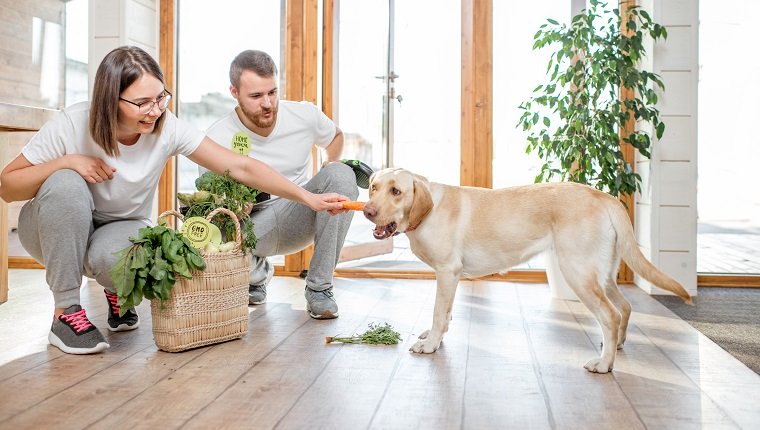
44	53
44	65
517	70
728	239
209	38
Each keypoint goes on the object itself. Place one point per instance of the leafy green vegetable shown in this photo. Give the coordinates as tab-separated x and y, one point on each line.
151	265
223	191
376	334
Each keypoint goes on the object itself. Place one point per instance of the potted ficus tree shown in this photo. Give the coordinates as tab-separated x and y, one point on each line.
597	99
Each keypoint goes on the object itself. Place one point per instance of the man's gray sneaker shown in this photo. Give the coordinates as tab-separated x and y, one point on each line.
73	333
257	294
321	304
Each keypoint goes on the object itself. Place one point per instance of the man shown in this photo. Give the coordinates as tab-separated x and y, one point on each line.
282	134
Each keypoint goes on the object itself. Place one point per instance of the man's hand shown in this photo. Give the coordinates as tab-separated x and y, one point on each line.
91	169
330	202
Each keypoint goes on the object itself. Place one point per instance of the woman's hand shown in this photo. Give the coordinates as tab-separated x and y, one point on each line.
330	202
92	169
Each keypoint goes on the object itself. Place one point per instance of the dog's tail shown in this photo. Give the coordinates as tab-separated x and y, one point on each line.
631	254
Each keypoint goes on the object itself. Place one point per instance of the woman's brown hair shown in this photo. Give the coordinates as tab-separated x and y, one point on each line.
118	70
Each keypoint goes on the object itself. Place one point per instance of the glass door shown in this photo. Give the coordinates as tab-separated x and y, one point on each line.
399	85
365	101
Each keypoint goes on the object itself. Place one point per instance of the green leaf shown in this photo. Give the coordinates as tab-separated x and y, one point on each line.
180	267
660	130
195	262
172	254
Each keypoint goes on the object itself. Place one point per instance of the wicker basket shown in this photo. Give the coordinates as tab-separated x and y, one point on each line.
211	307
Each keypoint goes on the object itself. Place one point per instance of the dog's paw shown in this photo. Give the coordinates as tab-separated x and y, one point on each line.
597	366
621	342
424	334
424	346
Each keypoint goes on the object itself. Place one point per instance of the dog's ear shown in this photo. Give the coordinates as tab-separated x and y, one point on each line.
421	204
371	180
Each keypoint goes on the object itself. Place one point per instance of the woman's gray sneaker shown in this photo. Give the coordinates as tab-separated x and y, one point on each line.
73	333
321	304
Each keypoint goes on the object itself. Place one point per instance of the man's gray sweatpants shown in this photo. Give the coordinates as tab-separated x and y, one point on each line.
283	227
60	229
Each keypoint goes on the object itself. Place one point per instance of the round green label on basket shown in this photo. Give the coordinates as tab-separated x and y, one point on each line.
197	230
241	143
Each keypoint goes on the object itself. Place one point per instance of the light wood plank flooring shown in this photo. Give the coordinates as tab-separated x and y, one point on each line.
512	359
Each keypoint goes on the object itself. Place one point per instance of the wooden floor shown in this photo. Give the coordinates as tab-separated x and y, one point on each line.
512	359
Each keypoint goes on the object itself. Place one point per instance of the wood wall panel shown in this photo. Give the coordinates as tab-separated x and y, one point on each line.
167	59
477	85
329	50
677	144
672	183
300	81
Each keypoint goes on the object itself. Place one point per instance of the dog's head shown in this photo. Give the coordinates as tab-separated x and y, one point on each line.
398	201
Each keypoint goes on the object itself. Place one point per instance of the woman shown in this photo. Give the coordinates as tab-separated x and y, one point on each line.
92	172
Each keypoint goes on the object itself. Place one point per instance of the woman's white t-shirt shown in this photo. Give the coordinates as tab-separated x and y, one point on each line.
129	195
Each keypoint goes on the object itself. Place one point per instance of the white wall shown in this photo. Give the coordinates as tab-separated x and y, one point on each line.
666	210
115	23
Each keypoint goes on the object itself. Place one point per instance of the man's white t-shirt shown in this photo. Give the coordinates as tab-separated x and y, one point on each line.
299	126
129	195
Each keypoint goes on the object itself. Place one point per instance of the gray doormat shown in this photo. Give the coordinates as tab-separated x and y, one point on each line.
730	317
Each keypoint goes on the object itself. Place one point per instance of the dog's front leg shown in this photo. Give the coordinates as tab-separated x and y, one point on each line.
446	288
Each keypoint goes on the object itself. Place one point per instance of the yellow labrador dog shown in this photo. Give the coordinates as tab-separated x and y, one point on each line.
471	232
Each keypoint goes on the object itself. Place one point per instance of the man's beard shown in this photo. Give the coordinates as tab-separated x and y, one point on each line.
257	118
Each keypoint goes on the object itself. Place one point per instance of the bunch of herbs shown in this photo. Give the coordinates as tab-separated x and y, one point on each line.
377	334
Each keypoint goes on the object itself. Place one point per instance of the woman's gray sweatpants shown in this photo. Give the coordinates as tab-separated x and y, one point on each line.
283	227
60	229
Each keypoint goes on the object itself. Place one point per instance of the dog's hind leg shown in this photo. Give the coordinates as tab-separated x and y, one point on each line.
610	258
586	286
622	305
446	286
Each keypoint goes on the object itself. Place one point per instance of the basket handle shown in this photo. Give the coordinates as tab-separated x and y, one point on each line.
238	236
172	212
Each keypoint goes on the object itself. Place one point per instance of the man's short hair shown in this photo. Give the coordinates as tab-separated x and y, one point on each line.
256	61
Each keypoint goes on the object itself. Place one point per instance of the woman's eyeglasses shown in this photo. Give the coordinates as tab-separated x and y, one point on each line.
147	106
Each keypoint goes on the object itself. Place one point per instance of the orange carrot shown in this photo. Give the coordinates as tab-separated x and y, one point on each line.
354	206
